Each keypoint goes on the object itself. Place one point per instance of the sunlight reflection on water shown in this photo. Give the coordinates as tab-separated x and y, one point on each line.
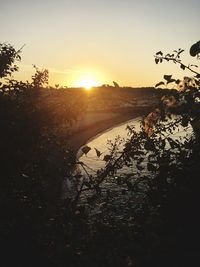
100	142
123	200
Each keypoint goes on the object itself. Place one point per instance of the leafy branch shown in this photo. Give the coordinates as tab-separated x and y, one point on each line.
175	58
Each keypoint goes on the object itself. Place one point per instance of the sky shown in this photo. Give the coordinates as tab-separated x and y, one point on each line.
101	40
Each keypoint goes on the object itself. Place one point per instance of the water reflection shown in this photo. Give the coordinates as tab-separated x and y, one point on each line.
100	142
123	200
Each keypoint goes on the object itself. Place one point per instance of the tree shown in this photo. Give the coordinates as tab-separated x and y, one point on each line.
159	200
8	56
40	77
116	84
185	100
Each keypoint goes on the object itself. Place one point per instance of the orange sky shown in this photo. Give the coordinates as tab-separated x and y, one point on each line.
102	40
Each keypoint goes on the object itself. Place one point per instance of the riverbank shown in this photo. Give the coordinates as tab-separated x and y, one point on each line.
94	125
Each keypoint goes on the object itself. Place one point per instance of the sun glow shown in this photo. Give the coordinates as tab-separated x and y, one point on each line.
88	79
87	83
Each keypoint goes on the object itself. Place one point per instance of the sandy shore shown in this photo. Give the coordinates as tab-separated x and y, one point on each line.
93	124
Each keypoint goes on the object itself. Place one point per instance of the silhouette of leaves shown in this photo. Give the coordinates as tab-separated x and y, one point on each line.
160	83
98	153
85	149
182	67
167	77
107	158
195	49
159	53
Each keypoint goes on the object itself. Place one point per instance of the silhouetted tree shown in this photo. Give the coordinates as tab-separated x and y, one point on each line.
8	56
116	84
40	77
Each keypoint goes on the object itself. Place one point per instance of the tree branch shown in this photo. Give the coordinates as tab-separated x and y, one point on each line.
177	61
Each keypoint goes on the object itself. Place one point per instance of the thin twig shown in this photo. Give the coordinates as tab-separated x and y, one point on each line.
179	62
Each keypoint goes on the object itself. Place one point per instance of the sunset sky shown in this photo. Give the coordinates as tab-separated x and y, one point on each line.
102	40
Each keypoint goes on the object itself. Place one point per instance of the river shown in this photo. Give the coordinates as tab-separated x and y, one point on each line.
93	163
101	142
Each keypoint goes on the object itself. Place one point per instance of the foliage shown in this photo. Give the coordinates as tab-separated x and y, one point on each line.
8	55
35	126
40	77
156	132
195	49
164	182
185	101
175	57
147	217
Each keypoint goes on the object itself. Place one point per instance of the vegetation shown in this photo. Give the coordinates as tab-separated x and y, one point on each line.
145	218
158	206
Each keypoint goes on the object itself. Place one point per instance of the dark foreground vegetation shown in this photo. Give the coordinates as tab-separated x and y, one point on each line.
160	224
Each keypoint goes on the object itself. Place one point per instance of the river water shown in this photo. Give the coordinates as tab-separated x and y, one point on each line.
101	143
121	197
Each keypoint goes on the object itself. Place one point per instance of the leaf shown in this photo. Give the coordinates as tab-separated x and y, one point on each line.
171	81
194	66
86	149
167	77
178	81
157	60
195	49
160	83
98	152
159	53
182	67
107	158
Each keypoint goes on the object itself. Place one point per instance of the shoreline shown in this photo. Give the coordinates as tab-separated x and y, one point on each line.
86	133
79	153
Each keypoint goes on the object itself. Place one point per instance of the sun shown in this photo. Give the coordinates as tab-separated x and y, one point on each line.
87	83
